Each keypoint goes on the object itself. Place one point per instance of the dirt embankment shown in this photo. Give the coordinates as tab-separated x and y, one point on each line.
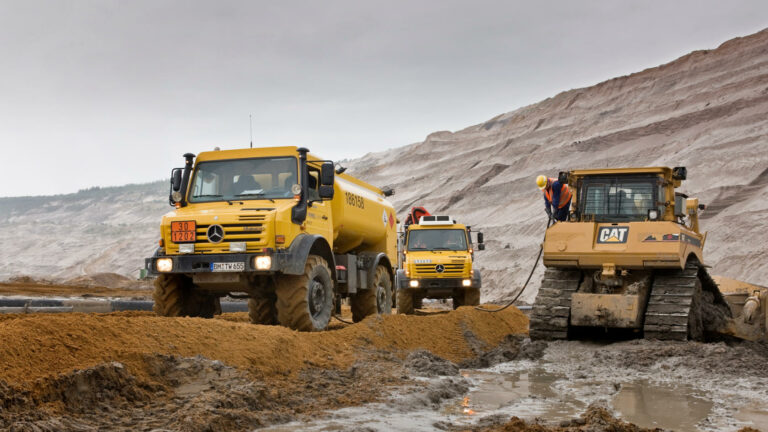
133	370
96	285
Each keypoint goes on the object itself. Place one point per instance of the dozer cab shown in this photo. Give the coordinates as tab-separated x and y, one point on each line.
629	257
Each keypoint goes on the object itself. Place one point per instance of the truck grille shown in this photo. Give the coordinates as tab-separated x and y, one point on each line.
251	233
451	270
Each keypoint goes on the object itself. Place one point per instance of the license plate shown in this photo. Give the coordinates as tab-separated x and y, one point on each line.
228	267
183	231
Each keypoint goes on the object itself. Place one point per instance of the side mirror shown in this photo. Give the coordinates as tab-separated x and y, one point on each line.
679	173
480	246
326	192
480	238
327	174
176	179
562	177
387	191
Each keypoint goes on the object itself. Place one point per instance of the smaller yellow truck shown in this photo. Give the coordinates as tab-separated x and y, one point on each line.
436	261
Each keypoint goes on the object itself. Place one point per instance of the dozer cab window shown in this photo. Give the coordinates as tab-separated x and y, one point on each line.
618	199
437	239
261	178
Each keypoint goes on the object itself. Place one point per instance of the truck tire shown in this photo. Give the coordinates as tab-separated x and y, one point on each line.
376	300
176	296
417	302
262	309
404	302
470	297
305	302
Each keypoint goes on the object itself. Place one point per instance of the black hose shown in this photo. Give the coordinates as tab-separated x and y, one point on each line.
525	285
342	319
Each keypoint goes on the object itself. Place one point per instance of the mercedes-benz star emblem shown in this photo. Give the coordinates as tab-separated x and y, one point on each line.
215	233
439	268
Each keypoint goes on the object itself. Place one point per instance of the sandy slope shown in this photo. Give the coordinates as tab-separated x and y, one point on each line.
707	110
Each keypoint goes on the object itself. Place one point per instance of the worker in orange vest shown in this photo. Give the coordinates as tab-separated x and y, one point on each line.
557	197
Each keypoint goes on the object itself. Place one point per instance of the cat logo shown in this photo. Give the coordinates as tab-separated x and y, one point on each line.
612	234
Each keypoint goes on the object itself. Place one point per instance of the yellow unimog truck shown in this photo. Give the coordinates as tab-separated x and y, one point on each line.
281	226
436	261
629	257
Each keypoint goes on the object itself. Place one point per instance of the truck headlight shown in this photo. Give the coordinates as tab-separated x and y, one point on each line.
414	283
262	262
164	265
653	214
466	282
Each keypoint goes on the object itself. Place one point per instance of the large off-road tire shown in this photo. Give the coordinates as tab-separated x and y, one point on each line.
375	300
472	297
417	302
305	302
405	302
176	295
469	297
262	309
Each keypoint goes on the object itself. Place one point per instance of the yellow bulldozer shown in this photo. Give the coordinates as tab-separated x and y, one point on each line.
630	256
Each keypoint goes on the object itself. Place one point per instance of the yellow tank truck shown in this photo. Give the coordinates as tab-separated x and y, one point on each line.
281	226
436	261
629	257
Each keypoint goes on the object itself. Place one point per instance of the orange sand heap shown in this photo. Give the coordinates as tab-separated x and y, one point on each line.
43	345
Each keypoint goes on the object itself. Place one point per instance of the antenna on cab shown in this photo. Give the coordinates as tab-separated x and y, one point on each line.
250	120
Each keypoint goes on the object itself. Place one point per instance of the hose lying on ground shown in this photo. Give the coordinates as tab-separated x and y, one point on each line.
342	319
525	285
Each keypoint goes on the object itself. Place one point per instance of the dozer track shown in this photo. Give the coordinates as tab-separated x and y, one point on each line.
674	297
552	308
675	306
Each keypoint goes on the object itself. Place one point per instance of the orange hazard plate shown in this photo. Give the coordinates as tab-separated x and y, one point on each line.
183	231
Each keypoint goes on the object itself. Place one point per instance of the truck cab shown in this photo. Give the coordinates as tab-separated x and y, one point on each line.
437	262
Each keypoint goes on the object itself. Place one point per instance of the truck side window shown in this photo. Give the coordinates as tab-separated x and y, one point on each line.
312	191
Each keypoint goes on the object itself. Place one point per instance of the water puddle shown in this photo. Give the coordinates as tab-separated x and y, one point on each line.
650	406
756	415
529	391
525	394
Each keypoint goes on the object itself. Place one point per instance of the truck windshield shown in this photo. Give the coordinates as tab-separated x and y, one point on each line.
618	199
437	239
261	178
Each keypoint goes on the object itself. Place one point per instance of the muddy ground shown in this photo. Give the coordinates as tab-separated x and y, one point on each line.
439	370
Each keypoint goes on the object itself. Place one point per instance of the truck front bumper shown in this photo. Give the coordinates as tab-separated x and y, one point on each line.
204	263
437	288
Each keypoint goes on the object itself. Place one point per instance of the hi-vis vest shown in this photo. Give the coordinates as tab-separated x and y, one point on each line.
565	193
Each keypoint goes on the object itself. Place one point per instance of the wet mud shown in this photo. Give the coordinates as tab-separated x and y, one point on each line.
458	370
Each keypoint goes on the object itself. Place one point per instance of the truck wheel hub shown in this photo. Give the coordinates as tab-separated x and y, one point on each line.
381	298
316	297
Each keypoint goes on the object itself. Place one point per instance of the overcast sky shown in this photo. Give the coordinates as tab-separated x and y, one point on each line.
100	93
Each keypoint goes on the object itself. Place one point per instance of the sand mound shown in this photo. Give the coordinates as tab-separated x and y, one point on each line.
38	345
111	280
